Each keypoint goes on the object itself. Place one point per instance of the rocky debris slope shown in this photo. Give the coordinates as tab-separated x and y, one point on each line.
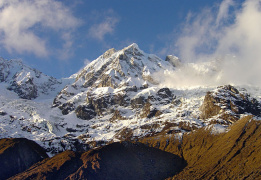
26	82
123	160
17	155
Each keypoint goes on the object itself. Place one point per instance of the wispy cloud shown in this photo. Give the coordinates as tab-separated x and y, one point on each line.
21	22
231	32
105	25
223	12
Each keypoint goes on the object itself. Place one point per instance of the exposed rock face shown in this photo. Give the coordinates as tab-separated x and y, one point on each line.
66	108
85	112
228	103
117	116
17	155
148	112
125	134
28	90
115	161
101	103
138	102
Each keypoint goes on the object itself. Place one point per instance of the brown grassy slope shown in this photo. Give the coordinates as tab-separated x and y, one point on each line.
232	155
16	155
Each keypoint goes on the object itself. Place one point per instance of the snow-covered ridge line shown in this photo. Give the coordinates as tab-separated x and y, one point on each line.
117	97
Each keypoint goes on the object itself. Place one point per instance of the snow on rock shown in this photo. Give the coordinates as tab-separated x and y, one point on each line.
114	98
227	104
127	70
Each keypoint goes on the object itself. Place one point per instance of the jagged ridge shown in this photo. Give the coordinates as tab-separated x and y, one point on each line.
28	83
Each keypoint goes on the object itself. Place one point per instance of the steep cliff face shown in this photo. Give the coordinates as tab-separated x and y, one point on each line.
17	155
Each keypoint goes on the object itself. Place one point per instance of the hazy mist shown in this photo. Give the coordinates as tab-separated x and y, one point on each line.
225	43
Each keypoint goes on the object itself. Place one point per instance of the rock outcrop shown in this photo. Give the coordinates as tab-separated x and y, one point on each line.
228	103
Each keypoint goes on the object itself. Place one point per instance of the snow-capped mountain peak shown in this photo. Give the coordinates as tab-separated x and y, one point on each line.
26	82
115	68
129	68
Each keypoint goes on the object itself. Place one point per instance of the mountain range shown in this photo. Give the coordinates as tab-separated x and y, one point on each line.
119	104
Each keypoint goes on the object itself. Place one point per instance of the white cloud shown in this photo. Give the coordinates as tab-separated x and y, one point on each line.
86	62
223	12
208	36
106	26
21	22
197	36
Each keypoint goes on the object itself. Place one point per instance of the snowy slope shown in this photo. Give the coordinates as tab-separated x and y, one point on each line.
116	97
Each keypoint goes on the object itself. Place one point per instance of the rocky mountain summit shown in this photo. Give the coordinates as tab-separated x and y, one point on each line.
26	82
110	80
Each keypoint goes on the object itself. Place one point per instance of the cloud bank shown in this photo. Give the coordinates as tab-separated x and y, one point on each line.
23	24
229	37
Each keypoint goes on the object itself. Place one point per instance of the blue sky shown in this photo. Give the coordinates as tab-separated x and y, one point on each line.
59	36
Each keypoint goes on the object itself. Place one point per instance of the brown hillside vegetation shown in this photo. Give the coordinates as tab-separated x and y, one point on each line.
17	155
232	155
123	160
